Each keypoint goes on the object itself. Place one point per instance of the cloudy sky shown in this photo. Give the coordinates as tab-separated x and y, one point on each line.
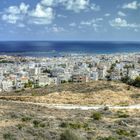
94	20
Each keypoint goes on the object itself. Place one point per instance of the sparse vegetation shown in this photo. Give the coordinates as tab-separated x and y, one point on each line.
34	121
8	136
26	119
107	138
123	132
96	116
121	114
74	125
69	135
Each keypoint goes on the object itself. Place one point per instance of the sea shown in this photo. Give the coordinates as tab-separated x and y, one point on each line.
62	48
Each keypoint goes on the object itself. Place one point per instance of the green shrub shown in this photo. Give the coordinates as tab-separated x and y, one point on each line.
96	116
26	118
8	136
133	133
42	125
74	125
126	133
136	96
122	132
107	138
64	125
121	114
36	123
20	126
69	135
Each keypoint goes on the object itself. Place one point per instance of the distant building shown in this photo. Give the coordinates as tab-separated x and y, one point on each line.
94	76
79	78
102	72
7	85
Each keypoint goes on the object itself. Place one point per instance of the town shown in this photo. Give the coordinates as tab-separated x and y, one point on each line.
19	73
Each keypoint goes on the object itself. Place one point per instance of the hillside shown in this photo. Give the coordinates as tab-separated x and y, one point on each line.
94	93
22	118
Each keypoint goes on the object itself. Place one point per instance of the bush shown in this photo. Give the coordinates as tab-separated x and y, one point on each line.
123	132
74	125
20	126
133	133
136	96
96	116
69	135
122	114
42	125
107	138
8	136
26	118
36	123
64	125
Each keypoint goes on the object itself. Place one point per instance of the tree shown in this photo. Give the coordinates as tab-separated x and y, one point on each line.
137	82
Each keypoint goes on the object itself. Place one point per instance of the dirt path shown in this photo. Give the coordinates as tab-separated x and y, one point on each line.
80	107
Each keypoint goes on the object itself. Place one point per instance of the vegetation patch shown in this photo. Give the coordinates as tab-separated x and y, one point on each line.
96	116
38	123
70	135
9	136
123	132
26	118
74	125
121	114
107	138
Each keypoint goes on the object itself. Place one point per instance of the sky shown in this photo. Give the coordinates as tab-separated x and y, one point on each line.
82	20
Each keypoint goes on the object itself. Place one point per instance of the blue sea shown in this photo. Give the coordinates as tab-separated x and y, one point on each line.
59	48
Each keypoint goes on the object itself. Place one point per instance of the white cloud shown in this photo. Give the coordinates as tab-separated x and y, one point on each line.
19	14
73	5
120	13
11	18
87	23
24	8
107	14
136	30
57	29
13	14
47	2
73	24
44	12
54	28
77	5
61	16
41	15
21	25
13	10
95	7
94	23
118	22
133	5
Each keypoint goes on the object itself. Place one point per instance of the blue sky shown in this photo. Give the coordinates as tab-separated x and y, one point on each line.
106	20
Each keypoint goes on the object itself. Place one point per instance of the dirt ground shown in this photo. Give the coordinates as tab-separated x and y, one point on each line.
95	93
34	122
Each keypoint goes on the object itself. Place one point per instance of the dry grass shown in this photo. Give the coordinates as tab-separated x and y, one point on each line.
46	124
95	93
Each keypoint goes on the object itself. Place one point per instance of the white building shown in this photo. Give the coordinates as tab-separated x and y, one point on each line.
7	85
133	74
94	76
